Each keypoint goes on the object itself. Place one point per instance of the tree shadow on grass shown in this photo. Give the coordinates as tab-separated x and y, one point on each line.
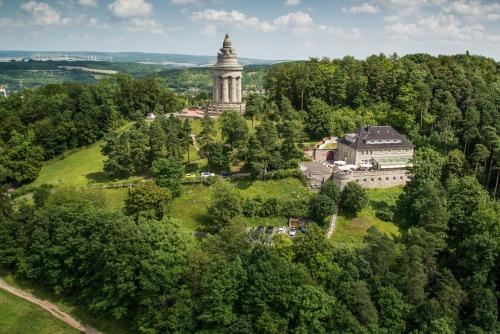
243	184
97	177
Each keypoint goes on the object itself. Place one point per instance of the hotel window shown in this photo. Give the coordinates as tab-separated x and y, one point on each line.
357	180
387	178
394	178
364	180
380	179
373	179
400	177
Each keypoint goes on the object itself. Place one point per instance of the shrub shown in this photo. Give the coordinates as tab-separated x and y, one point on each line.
330	189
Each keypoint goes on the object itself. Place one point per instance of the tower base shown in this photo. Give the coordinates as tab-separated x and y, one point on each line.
216	108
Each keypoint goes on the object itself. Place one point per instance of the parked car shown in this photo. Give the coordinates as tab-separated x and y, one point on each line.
269	230
292	232
224	173
190	176
207	174
261	229
281	230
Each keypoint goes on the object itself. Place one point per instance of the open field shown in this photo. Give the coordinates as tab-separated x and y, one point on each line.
23	314
355	229
20	316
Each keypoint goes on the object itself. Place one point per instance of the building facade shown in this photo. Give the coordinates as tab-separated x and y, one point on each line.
381	153
227	76
381	146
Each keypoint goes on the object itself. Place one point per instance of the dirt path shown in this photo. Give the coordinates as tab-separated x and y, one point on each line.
51	308
333	224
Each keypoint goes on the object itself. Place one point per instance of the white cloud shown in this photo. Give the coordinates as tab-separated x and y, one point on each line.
94	23
439	27
474	9
130	8
145	24
293	2
183	2
365	8
210	30
43	14
391	18
353	33
299	21
234	17
88	3
9	23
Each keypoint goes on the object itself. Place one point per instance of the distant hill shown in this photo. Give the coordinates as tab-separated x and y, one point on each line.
165	59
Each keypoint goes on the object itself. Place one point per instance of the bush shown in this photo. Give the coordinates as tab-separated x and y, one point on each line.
385	212
270	208
295	208
252	207
330	189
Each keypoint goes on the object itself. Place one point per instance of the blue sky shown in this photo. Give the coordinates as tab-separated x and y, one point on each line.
268	29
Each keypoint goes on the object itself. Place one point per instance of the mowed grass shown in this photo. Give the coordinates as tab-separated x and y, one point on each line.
356	228
18	316
192	206
23	323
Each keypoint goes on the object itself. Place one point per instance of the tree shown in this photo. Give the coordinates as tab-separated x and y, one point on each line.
41	195
208	131
353	198
292	133
217	155
330	189
267	135
227	205
23	160
321	206
147	201
169	173
455	164
318	119
186	137
234	129
480	154
255	106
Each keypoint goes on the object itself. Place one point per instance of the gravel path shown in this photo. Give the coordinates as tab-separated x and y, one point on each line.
51	308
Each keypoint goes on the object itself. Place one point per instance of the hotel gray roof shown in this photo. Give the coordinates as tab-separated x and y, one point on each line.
376	137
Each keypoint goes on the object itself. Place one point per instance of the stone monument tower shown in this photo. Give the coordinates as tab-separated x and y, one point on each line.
227	81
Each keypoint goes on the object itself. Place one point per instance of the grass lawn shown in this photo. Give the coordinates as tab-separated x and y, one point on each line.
79	168
23	319
355	229
192	206
18	316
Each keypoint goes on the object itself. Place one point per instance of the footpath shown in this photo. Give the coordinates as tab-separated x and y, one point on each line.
333	223
50	307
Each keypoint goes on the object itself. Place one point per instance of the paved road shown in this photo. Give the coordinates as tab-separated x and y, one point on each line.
51	308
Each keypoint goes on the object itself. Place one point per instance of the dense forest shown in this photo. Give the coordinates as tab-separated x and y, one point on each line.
37	125
441	275
445	102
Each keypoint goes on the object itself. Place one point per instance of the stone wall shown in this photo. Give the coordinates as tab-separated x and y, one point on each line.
373	178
